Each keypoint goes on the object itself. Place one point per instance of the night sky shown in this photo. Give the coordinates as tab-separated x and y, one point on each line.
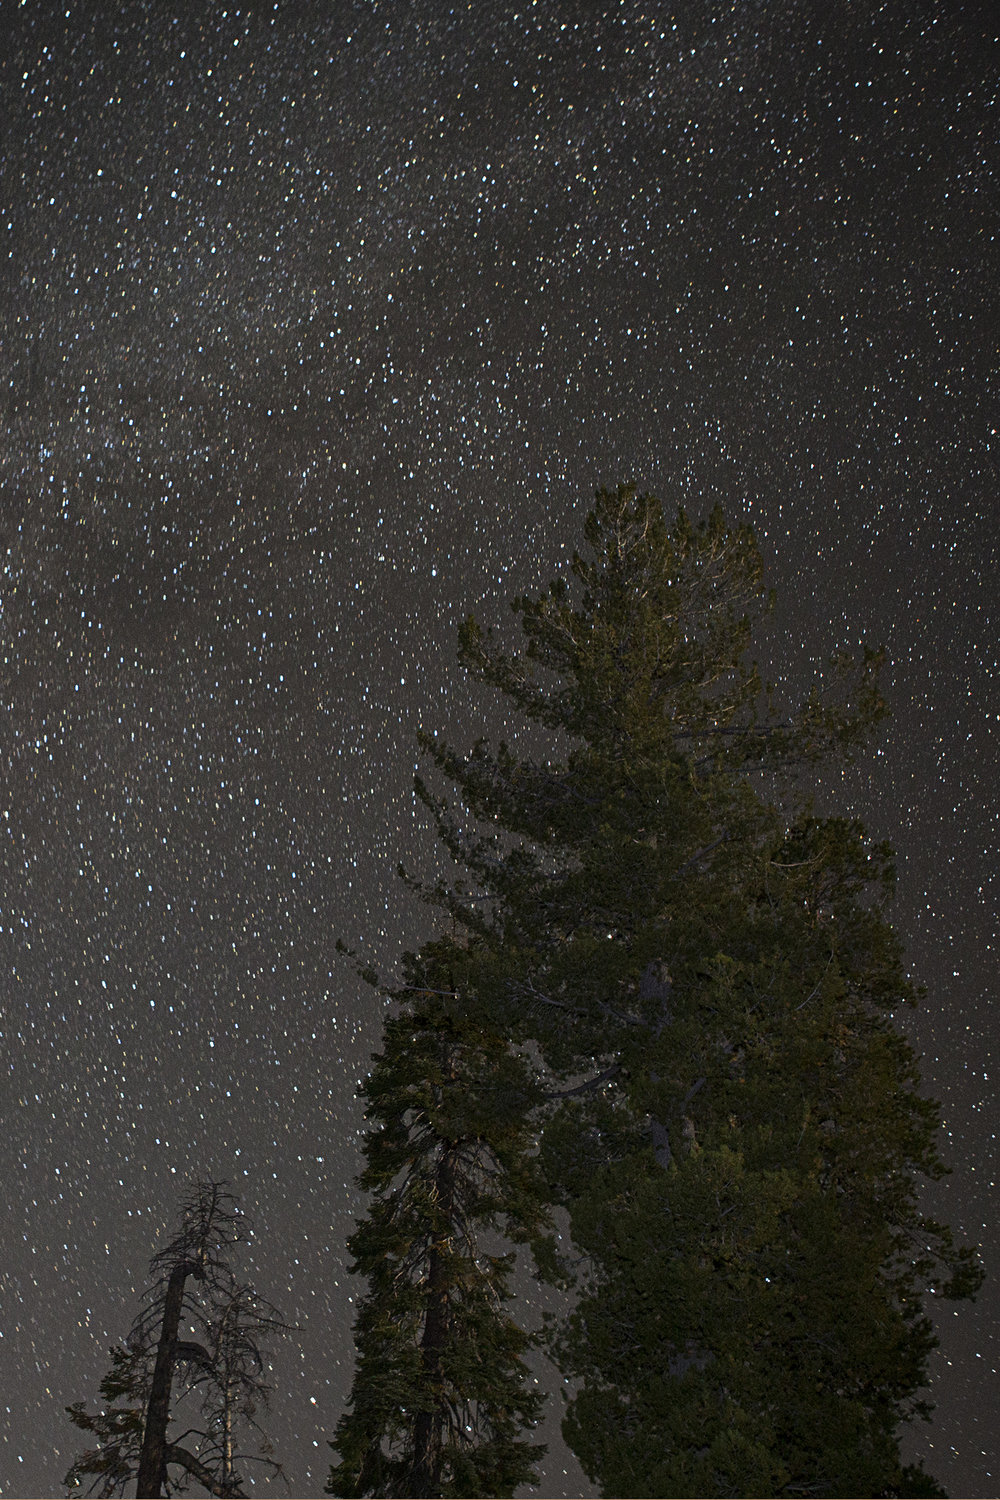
321	323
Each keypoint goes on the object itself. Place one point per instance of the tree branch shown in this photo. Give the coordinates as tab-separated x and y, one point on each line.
193	1466
700	854
583	1088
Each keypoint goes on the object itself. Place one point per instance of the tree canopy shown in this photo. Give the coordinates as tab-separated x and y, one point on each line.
702	967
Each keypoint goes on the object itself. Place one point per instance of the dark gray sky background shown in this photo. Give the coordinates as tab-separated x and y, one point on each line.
321	323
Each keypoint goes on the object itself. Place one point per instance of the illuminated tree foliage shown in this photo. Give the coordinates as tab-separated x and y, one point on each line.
702	968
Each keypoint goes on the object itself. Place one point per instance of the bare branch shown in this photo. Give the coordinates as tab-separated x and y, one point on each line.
584	1088
194	1466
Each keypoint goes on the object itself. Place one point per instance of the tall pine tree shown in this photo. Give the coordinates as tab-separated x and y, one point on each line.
705	971
441	1403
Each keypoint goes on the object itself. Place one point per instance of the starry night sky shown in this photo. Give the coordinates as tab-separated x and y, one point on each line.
321	323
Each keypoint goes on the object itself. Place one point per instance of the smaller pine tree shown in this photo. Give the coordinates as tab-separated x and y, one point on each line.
440	1402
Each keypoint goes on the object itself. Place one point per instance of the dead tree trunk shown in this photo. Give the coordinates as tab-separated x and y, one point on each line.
153	1458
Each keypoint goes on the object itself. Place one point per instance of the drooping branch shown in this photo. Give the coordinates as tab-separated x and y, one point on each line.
191	1464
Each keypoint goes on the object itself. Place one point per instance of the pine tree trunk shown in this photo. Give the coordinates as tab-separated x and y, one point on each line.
227	1440
427	1434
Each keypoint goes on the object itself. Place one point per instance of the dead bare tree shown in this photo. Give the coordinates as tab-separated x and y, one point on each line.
217	1372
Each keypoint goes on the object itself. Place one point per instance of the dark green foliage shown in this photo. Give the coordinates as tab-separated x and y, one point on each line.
658	909
439	1404
118	1426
